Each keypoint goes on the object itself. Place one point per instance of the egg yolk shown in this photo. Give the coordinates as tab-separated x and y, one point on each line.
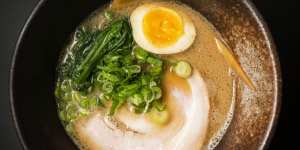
162	26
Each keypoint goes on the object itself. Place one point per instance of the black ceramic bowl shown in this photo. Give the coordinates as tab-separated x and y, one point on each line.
49	26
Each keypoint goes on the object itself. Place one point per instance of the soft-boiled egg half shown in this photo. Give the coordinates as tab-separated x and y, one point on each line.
162	30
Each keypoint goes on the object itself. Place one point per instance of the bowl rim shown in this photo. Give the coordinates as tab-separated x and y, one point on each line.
277	99
271	129
22	32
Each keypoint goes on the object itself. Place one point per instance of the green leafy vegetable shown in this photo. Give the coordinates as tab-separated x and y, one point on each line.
106	66
108	40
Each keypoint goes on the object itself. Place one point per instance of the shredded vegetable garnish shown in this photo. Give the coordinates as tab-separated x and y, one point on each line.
105	66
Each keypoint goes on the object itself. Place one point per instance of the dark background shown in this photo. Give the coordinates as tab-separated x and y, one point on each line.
282	18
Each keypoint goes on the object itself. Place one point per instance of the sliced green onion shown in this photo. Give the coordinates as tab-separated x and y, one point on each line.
62	115
145	79
66	86
94	102
183	69
107	87
147	94
108	15
76	96
83	112
133	69
154	61
140	53
127	60
159	105
152	84
115	105
157	92
58	92
69	128
67	97
136	99
159	117
128	90
108	76
71	111
112	59
84	103
155	70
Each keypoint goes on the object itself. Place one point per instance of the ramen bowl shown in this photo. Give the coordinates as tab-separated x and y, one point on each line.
32	79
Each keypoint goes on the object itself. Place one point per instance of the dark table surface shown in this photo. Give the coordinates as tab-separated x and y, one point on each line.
282	18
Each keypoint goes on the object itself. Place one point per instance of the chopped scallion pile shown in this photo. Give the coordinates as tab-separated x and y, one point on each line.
106	66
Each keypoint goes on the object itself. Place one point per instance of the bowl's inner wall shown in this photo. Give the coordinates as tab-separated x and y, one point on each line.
33	79
34	71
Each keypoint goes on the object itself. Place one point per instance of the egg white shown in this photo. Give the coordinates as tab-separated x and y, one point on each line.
184	41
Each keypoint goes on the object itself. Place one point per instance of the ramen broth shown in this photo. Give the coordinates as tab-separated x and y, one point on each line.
203	56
